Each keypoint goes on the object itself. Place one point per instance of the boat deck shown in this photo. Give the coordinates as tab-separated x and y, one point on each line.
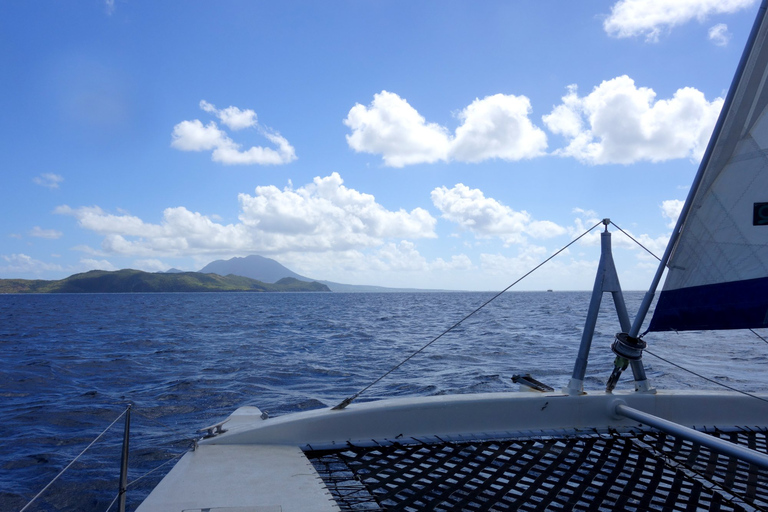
241	478
494	451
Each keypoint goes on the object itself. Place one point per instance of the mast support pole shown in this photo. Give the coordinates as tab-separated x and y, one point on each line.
606	280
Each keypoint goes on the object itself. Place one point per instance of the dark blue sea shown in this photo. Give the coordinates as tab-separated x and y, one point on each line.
71	363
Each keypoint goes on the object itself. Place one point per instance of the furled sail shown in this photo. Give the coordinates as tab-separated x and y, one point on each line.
718	270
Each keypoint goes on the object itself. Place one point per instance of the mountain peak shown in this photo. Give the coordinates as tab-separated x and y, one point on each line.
254	266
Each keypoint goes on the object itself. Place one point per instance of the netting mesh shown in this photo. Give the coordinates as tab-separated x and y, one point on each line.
629	471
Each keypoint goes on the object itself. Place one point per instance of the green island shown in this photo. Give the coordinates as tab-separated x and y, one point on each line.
136	281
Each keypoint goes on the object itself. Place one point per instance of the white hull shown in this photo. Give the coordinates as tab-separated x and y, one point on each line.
259	465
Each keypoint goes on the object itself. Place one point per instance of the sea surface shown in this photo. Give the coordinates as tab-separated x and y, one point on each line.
71	363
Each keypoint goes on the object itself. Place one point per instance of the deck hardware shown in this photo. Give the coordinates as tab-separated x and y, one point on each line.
627	348
526	381
214	430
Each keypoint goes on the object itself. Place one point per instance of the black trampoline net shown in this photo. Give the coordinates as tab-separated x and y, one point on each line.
635	471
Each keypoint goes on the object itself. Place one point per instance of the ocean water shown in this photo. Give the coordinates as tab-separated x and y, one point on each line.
70	364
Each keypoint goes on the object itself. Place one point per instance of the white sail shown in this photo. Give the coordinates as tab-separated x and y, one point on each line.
718	271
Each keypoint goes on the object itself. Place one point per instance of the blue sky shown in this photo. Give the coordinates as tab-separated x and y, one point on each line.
435	144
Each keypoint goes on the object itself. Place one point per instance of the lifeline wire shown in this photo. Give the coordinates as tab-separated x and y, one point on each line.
73	461
349	400
144	475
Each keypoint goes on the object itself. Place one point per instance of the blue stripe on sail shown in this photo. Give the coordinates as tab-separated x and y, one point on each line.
734	305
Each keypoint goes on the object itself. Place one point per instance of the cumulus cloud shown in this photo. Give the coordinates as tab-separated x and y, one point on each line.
325	214
486	217
195	136
50	234
393	128
496	126
23	264
87	264
232	117
619	122
719	34
671	209
630	18
321	216
48	179
150	265
586	219
394	264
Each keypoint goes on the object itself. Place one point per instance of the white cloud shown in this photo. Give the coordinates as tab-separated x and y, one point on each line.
50	234
619	240
495	127
325	215
48	179
393	128
110	6
233	117
395	264
630	18
719	34
321	216
150	265
619	122
486	217
402	257
458	262
87	264
194	136
671	209
23	264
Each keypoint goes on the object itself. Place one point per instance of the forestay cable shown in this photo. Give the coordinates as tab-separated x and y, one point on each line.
352	398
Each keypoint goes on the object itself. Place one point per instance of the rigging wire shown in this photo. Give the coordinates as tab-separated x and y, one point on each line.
144	475
706	378
344	403
74	460
634	240
753	332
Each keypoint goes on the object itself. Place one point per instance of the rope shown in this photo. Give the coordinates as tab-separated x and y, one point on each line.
633	239
344	403
706	378
73	461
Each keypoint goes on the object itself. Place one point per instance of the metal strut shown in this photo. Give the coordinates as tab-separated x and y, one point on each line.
606	280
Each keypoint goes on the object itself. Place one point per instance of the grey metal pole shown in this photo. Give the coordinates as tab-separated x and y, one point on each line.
576	384
713	443
124	461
